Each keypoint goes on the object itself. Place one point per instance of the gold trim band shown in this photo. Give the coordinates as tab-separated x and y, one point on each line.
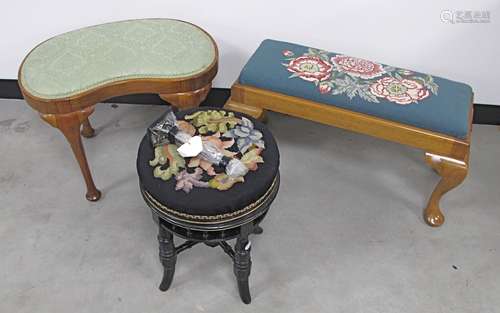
207	219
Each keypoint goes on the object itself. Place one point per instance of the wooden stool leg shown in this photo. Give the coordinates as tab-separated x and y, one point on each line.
243	263
187	100
87	130
168	256
255	112
69	125
452	173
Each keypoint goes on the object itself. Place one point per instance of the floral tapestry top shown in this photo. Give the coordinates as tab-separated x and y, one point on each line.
234	137
338	74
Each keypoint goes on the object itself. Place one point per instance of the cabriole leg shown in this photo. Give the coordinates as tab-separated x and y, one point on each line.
452	173
69	124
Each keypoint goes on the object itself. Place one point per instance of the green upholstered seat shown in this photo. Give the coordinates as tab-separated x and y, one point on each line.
83	59
392	93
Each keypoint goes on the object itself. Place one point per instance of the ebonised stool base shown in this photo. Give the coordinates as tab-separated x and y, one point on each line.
240	255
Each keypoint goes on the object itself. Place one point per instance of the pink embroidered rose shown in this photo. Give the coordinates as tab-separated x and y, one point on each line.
402	91
324	88
287	53
357	67
310	68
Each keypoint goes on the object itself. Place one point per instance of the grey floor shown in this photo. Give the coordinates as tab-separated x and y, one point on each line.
345	233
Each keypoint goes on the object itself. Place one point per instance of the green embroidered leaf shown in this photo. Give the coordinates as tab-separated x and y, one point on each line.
213	121
341	87
420	79
429	83
312	51
433	88
351	92
160	158
338	75
342	82
324	56
337	91
352	87
251	158
224	182
397	76
404	72
365	94
175	161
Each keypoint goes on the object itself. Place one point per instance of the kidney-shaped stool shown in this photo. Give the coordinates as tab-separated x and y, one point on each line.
64	77
199	202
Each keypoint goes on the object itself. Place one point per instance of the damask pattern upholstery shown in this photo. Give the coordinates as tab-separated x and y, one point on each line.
395	94
83	59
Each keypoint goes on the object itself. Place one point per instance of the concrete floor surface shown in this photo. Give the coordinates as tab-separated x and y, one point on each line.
345	233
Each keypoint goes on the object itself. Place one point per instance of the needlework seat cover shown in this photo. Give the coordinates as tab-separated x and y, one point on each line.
90	57
388	92
198	192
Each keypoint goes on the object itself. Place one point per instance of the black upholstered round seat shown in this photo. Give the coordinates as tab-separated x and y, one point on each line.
202	202
209	205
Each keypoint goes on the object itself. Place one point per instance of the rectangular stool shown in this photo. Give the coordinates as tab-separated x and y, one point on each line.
415	109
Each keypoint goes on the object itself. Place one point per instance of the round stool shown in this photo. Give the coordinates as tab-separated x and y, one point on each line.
197	201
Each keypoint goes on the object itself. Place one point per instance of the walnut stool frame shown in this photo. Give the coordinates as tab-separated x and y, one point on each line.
70	114
447	155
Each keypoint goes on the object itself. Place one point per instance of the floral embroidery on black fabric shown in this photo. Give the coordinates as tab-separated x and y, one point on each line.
245	135
163	155
186	181
212	121
234	137
338	74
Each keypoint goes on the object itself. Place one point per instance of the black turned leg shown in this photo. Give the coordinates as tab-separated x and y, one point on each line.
243	264
168	256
